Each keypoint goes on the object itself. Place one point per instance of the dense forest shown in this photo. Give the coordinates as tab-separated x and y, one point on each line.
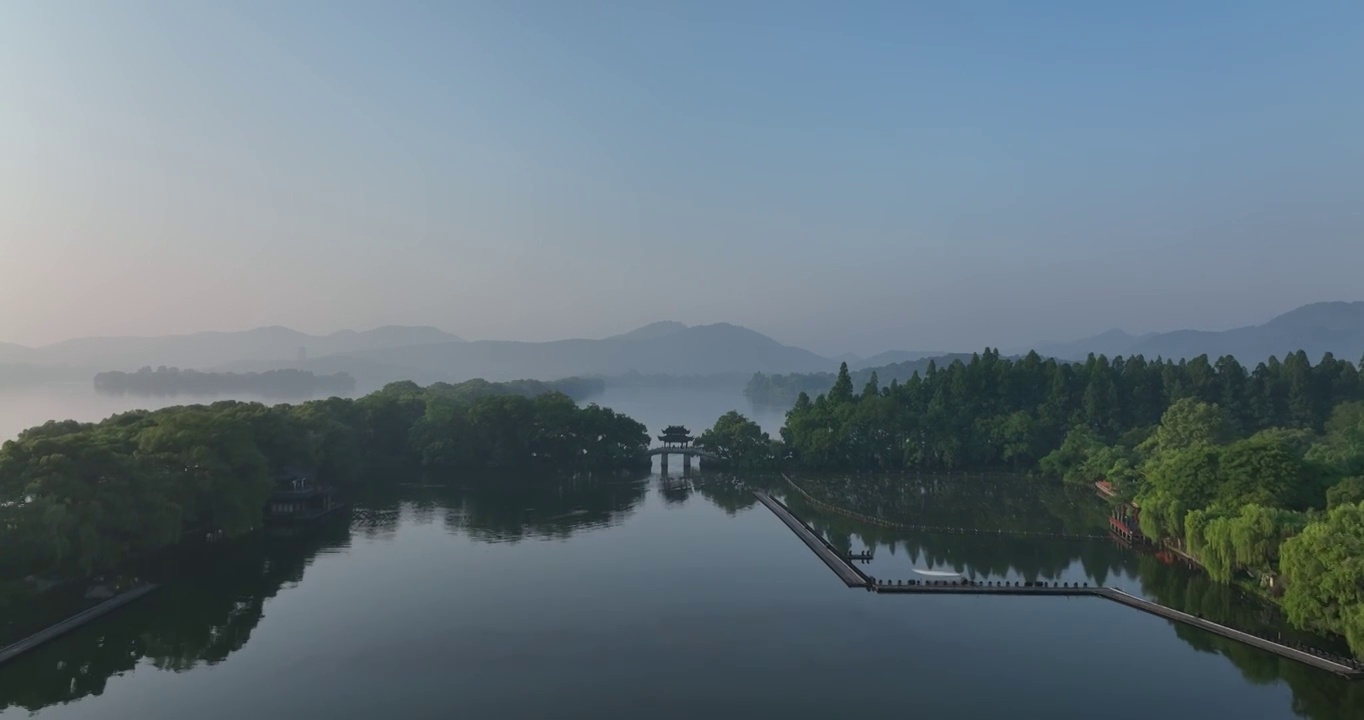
781	390
999	413
174	381
1259	474
77	498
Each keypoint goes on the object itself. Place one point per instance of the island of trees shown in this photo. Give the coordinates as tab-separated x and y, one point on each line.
272	383
80	498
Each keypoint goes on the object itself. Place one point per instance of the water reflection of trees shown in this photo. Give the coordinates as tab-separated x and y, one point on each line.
1316	694
545	509
675	491
202	618
500	509
728	493
978	556
1008	503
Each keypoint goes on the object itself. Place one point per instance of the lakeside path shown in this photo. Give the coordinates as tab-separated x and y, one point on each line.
826	552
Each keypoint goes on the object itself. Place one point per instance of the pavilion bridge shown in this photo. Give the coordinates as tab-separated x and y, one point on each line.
677	440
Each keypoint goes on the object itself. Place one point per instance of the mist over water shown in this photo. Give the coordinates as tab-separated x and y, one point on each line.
696	408
24	406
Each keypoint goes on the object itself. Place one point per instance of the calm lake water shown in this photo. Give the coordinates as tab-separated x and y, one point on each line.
625	598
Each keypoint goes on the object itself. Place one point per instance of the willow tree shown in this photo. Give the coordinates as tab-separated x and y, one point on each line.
1323	567
1177	482
1247	539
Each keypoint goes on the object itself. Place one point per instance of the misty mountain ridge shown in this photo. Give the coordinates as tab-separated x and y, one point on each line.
894	357
426	354
10	352
665	348
1317	328
651	331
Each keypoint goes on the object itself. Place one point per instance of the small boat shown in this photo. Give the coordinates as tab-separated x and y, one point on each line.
936	573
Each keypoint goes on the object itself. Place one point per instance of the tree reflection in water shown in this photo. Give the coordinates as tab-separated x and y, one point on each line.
503	511
201	618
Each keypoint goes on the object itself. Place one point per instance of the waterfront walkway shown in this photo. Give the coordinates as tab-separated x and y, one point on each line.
853	577
821	547
9	652
1350	671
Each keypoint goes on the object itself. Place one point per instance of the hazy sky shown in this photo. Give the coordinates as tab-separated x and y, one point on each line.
843	176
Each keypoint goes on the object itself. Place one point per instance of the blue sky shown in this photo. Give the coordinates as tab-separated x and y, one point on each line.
844	176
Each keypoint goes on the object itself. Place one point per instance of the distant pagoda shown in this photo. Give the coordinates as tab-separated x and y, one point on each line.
675	436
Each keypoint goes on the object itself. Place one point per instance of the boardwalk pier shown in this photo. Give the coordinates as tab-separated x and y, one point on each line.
852	577
9	652
1349	671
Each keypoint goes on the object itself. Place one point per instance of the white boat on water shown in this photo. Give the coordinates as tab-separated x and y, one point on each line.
936	573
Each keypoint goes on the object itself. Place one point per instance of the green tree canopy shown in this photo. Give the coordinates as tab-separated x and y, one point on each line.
738	442
1269	469
1342	447
1348	491
1324	575
1188	423
1248	538
842	391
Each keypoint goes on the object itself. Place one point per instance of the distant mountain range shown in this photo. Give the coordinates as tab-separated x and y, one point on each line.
1335	327
890	357
666	348
426	354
